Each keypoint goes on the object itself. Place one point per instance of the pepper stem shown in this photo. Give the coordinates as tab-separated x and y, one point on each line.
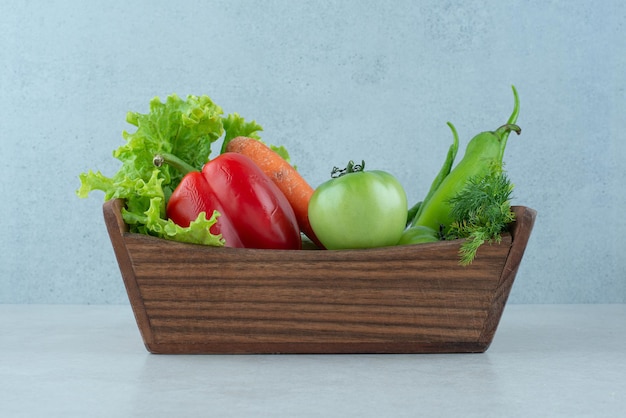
170	159
513	117
504	136
503	133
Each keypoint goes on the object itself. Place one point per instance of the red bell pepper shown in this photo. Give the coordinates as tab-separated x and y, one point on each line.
254	213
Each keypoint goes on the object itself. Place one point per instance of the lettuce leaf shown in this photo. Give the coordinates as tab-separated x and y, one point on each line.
184	128
235	126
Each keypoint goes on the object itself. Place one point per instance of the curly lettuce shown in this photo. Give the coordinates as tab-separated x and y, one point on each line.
184	128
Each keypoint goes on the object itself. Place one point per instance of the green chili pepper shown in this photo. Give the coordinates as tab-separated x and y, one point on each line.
419	235
417	209
413	212
483	154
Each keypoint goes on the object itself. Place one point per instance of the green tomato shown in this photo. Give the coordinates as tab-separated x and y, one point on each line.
359	209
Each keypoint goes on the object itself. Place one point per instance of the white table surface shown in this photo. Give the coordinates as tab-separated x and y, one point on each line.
89	361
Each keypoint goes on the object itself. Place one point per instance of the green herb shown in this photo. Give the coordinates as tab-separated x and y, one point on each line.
481	211
184	128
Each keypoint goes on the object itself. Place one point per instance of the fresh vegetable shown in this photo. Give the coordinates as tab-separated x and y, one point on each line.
358	209
443	173
254	213
421	233
412	212
284	175
480	212
251	195
184	128
483	155
418	235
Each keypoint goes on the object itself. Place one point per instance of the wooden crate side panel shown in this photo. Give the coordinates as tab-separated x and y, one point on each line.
414	299
292	298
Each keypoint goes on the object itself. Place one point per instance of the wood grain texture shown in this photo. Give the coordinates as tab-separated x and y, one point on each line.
406	299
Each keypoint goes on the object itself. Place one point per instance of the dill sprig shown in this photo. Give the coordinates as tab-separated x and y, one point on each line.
481	212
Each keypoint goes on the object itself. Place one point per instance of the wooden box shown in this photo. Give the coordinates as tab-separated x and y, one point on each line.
407	299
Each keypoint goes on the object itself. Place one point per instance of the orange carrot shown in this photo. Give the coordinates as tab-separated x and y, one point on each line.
288	180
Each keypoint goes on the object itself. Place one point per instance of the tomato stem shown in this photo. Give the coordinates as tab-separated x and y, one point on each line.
350	168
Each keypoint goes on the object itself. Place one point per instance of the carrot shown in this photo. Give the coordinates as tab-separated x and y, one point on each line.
288	180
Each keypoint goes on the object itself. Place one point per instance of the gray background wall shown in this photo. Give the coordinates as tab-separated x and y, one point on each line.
332	81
